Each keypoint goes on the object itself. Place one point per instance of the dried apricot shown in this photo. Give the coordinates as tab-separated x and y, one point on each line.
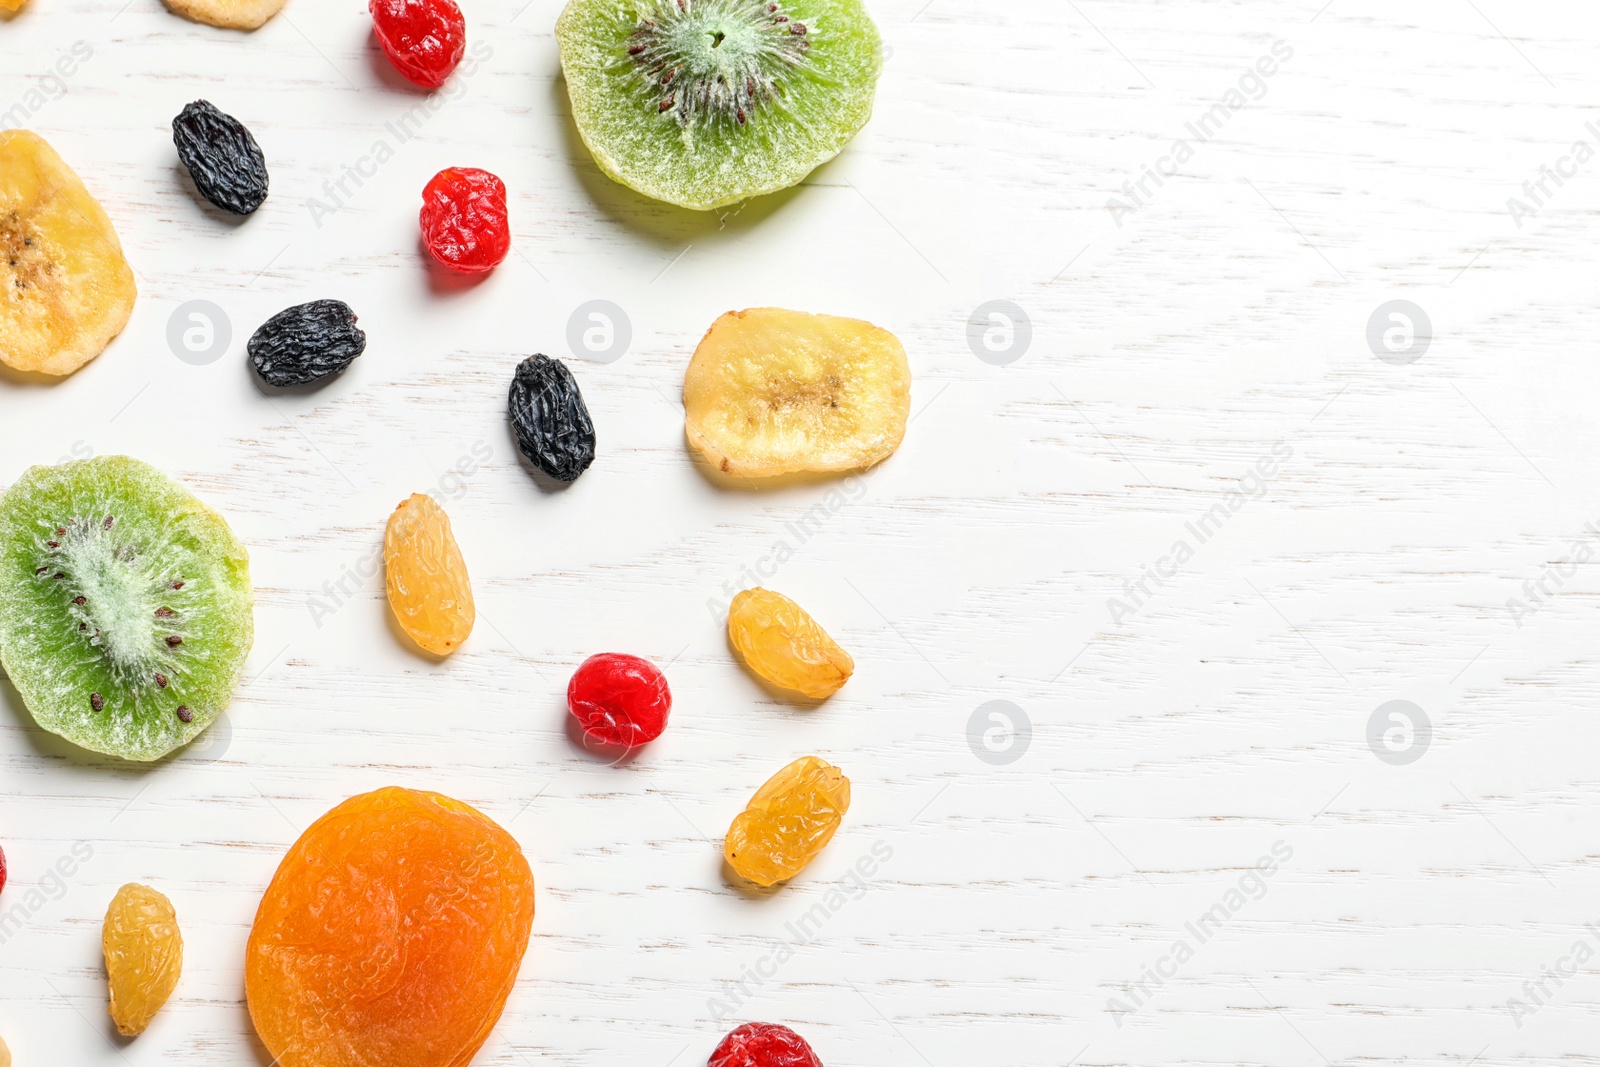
144	956
391	935
788	821
426	576
784	645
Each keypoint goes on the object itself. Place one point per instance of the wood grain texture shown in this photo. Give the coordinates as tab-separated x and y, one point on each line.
1173	746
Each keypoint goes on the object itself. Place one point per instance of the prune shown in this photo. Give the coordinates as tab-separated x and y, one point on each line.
223	158
391	935
764	1045
550	419
424	39
144	956
619	699
306	343
788	821
464	220
784	645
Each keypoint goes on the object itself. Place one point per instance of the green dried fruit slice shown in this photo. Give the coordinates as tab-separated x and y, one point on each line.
125	605
704	103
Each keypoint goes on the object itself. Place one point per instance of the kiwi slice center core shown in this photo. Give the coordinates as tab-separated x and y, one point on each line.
118	606
715	62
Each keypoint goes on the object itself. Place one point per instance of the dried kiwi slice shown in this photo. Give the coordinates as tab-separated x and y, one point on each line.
703	103
125	605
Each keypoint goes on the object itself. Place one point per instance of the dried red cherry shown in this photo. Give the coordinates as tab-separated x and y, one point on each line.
424	39
619	700
464	219
764	1045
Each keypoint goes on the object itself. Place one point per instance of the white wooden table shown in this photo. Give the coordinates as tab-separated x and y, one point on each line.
1200	348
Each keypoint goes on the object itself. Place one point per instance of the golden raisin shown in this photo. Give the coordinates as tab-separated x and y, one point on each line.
144	956
788	821
426	576
5	1053
784	645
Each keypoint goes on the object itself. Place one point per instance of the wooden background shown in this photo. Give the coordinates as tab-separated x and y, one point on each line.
1208	350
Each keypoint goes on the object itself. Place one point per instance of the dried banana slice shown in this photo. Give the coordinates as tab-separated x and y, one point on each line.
228	14
65	288
772	392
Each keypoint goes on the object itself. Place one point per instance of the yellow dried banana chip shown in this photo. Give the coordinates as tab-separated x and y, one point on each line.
772	392
65	288
229	14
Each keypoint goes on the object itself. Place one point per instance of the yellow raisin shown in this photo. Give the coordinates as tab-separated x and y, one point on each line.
784	645
144	956
426	576
788	821
5	1053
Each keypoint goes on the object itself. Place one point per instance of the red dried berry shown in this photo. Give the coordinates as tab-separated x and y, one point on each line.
619	700
464	219
764	1045
2	869
424	39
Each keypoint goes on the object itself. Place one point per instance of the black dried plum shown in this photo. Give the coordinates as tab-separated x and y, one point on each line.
306	343
223	158
550	419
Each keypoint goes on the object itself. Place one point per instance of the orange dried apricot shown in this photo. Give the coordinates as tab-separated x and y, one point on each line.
426	577
144	956
390	935
788	821
784	645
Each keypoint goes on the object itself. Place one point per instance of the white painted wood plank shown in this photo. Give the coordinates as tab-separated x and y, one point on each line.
1174	744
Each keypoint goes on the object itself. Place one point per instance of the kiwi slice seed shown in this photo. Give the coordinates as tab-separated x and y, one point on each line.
125	605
